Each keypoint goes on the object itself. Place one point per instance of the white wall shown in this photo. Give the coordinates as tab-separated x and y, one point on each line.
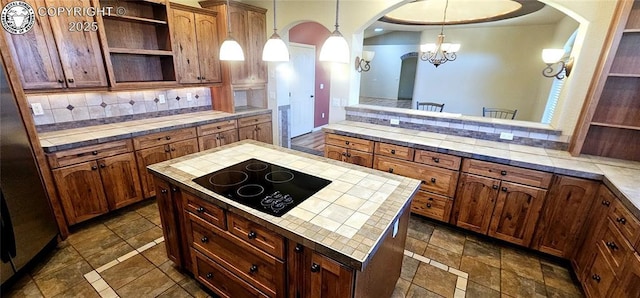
383	80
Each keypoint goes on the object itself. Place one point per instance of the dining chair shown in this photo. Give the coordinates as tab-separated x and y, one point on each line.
499	113
429	106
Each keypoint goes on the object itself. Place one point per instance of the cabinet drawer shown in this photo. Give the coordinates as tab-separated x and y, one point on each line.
348	142
438	159
219	279
628	224
615	247
205	210
507	173
437	180
260	269
432	205
242	122
600	277
394	151
78	155
217	127
162	138
256	235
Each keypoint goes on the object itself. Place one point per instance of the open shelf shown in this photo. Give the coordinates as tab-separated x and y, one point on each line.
627	59
619	103
140	52
612	142
142	68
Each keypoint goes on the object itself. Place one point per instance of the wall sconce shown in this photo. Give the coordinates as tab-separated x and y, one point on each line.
556	63
362	64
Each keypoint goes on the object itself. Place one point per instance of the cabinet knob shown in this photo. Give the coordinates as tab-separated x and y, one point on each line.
435	159
495	187
164	191
252	235
346	142
504	188
315	267
174	189
94	168
344	153
348	154
433	180
103	166
606	203
253	268
94	152
596	277
393	151
70	80
168	138
218	127
204	239
621	220
428	205
198	78
390	170
200	209
503	173
60	81
173	149
209	275
298	248
203	78
612	245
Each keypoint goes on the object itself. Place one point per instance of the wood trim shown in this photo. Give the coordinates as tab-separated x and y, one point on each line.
45	172
210	3
194	9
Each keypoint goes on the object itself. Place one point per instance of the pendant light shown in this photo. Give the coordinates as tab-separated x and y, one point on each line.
275	49
335	48
230	50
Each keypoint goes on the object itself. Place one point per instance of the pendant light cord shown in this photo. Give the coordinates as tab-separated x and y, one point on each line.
274	17
337	11
444	18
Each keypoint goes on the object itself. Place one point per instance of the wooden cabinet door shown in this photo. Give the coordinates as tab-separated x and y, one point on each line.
264	133
147	157
120	179
169	218
240	71
600	278
208	47
248	132
474	202
334	152
80	52
329	279
256	29
81	192
516	213
183	148
359	158
298	258
228	137
629	285
586	252
185	43
209	141
35	54
564	215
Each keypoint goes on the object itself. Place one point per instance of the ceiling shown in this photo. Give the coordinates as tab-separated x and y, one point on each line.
462	11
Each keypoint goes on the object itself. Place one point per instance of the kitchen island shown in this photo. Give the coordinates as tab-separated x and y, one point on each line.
346	240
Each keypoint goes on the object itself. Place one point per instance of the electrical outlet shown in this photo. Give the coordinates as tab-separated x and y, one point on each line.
321	86
506	136
189	97
162	98
322	115
395	121
37	108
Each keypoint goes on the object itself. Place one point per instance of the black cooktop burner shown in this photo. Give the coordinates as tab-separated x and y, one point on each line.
263	186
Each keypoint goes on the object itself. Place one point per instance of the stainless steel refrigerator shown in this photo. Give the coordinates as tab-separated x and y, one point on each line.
27	223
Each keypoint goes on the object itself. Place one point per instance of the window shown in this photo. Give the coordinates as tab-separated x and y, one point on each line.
554	93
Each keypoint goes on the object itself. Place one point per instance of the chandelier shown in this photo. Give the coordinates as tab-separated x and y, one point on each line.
439	52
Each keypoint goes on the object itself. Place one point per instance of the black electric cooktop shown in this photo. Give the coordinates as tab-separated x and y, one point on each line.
263	186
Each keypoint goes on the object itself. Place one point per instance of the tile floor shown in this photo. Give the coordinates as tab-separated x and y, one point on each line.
437	260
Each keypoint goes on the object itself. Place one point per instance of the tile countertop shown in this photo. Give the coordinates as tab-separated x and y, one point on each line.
345	220
621	176
91	135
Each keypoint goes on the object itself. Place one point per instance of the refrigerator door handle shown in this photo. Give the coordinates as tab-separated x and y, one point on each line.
8	247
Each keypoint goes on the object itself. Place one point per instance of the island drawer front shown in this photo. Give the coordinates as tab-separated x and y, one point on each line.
213	128
615	247
507	173
88	153
163	138
437	180
260	269
205	210
438	159
396	151
432	205
349	142
256	235
600	278
248	121
625	221
219	279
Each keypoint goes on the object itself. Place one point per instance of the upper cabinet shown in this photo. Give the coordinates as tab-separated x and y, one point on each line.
57	54
138	44
610	117
196	44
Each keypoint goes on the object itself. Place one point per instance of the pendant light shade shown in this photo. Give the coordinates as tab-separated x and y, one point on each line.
275	49
230	50
335	48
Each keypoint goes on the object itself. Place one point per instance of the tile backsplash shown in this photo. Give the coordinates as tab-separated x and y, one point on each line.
73	107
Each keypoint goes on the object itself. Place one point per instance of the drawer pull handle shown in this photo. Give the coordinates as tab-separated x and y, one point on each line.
253	269
168	138
103	166
346	142
252	235
428	205
298	248
621	220
433	180
70	80
504	189
60	81
495	187
164	191
435	159
596	277
315	267
606	203
393	151
200	209
204	239
612	245
503	173
390	170
218	127
94	152
94	168
209	275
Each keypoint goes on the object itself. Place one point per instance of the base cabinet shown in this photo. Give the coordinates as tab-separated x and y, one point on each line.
329	279
629	285
256	128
